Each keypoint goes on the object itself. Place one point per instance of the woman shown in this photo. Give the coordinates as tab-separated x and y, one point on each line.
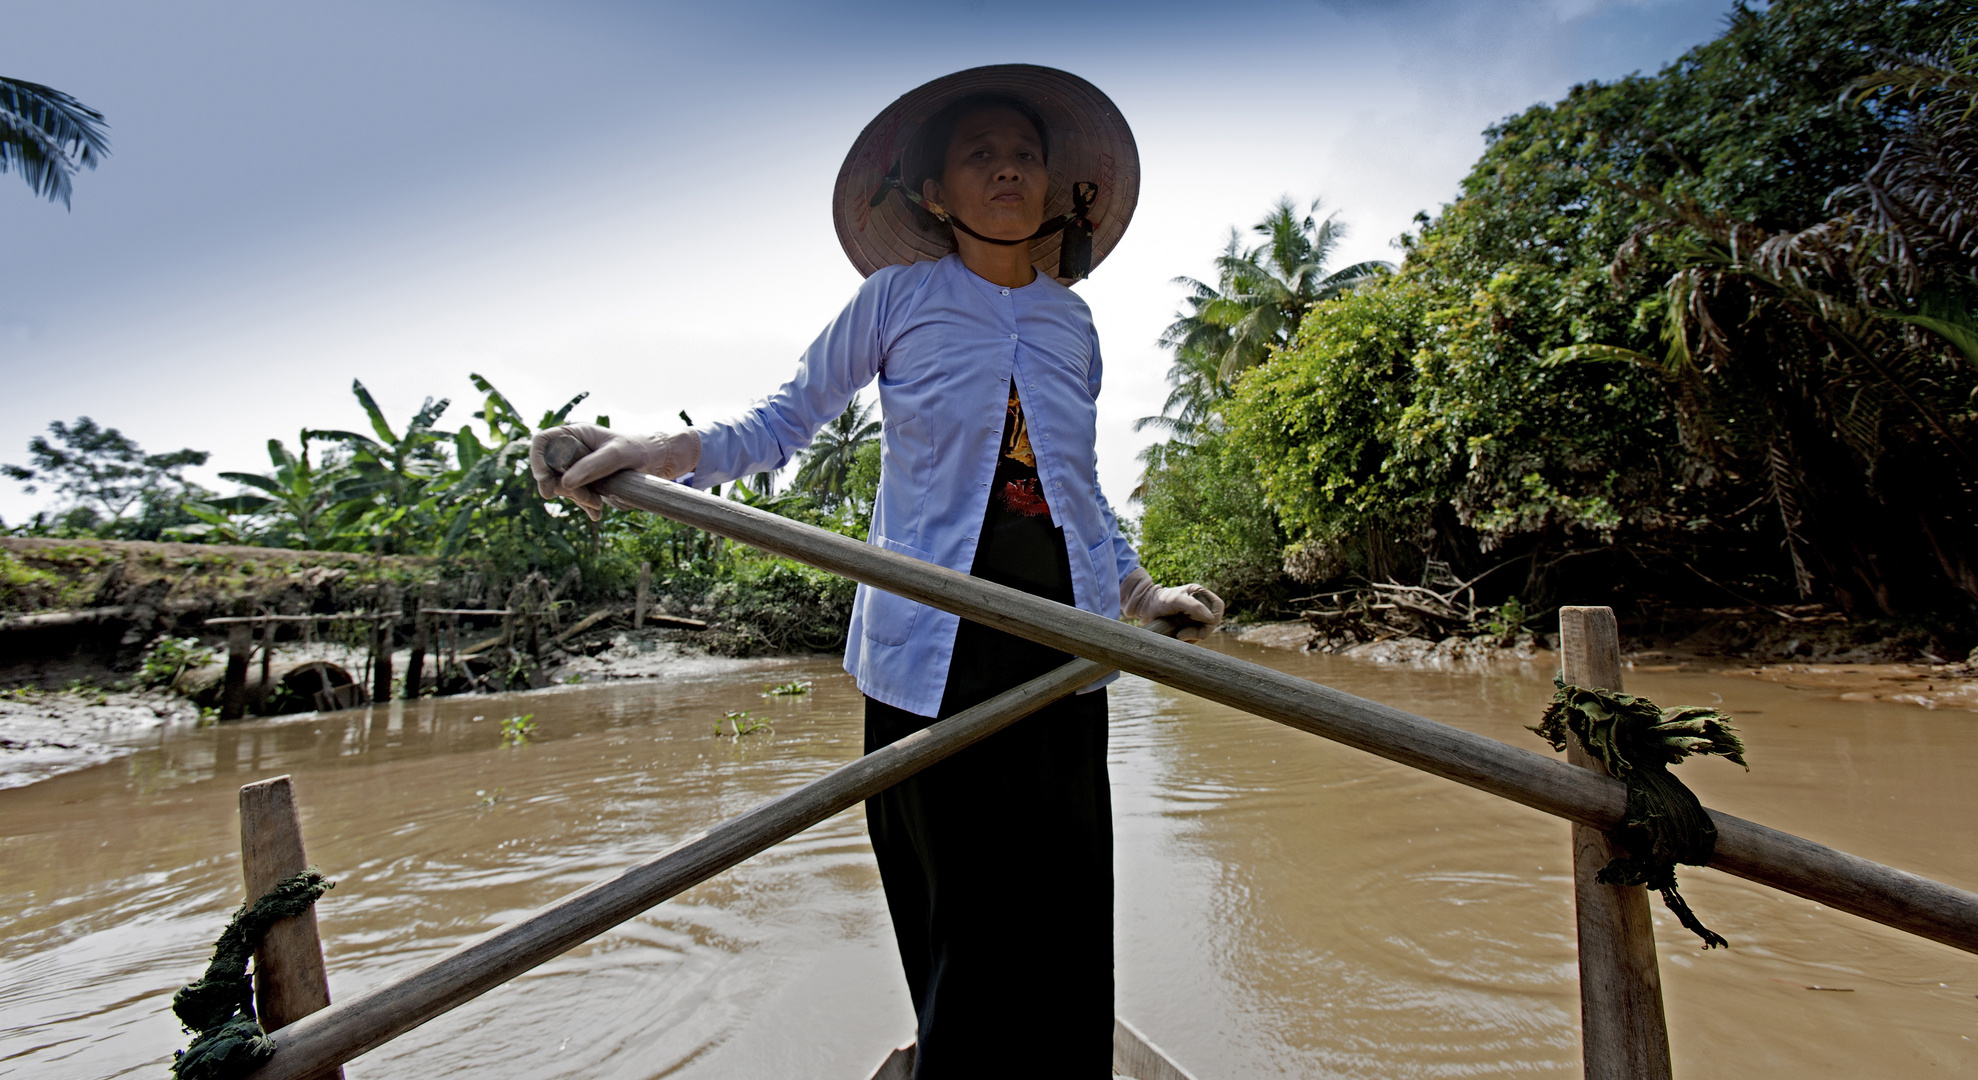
997	863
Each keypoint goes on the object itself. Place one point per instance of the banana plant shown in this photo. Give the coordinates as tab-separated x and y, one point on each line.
392	496
298	494
228	520
491	485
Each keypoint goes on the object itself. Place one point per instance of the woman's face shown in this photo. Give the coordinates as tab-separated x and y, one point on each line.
995	179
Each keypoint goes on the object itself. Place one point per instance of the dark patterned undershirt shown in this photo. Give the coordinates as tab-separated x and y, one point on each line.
1020	547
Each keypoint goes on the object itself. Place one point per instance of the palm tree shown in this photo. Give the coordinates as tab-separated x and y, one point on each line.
1196	385
827	465
1262	293
45	135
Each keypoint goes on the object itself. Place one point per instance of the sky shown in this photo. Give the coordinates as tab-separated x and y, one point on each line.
631	199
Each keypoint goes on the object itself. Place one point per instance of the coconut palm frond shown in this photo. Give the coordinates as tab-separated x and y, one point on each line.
46	135
1259	298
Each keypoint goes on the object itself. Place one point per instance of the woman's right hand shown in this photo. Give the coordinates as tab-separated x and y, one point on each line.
606	452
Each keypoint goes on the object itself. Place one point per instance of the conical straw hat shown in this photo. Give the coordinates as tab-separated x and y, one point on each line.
1089	141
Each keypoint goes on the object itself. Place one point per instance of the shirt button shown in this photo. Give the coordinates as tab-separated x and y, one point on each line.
1012	337
1006	292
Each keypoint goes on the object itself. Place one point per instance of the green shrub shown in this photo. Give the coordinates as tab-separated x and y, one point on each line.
169	657
1206	520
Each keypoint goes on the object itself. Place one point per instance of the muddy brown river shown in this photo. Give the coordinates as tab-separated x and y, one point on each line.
1287	907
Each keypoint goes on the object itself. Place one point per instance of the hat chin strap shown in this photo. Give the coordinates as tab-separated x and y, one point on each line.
1074	252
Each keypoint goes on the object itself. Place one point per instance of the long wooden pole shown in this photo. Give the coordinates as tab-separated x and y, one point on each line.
360	1023
1886	895
1623	1033
289	980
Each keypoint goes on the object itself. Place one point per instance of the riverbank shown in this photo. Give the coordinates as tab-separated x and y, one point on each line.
1929	682
45	733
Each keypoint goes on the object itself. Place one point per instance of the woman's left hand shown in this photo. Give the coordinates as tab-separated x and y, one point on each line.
1193	605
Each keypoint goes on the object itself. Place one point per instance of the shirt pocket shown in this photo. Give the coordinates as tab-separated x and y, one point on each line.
905	448
889	618
1105	576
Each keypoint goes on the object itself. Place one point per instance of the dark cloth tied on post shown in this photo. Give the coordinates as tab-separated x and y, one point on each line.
219	1008
1665	824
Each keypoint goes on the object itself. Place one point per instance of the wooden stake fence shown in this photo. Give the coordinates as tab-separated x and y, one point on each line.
341	1032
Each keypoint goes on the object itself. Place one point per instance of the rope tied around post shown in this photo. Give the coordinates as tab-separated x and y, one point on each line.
219	1008
1665	824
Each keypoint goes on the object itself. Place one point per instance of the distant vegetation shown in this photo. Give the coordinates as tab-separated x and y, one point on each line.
466	497
1704	337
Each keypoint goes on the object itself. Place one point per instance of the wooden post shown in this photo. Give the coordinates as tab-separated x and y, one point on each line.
381	646
1623	1033
415	663
233	693
645	589
267	658
289	978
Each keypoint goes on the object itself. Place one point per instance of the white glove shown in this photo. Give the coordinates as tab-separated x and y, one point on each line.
1142	600
606	452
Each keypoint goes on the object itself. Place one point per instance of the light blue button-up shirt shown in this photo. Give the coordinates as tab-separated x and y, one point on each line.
945	346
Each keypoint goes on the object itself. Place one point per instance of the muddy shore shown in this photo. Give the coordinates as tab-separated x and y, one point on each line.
47	732
1932	684
44	733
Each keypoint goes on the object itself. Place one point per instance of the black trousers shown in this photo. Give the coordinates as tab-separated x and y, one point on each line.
998	870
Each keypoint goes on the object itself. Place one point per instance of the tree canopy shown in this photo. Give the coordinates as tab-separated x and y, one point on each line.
1701	334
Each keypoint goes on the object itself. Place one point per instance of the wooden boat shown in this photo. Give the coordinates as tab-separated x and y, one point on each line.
1134	1055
